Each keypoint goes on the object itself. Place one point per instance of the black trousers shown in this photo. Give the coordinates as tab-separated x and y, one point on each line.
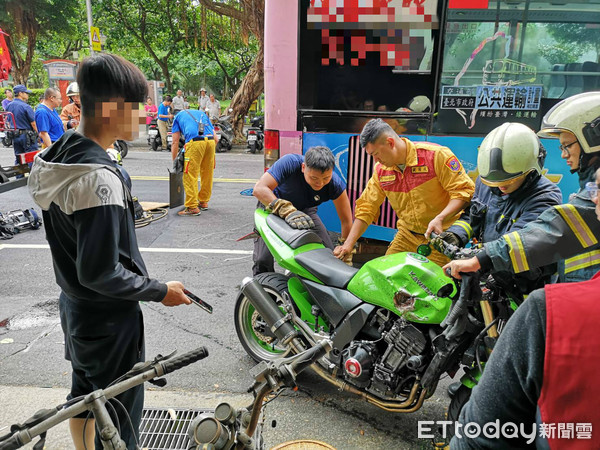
263	260
103	341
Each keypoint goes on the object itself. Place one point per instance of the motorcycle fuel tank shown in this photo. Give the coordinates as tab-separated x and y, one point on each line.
406	283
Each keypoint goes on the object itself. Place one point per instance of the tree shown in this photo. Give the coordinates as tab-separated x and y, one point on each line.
156	24
26	21
251	15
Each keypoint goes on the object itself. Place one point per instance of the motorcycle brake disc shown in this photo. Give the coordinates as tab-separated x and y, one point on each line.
258	323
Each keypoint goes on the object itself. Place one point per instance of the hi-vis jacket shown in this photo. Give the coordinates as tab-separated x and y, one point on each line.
431	178
565	233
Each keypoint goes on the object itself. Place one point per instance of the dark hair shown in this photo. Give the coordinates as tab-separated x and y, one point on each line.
104	77
373	130
167	98
49	93
319	158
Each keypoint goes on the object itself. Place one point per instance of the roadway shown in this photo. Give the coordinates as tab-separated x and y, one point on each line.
202	252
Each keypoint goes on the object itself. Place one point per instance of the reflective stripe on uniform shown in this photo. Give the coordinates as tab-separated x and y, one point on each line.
517	252
582	261
465	226
581	230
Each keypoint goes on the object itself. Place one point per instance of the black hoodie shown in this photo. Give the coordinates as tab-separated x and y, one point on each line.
89	224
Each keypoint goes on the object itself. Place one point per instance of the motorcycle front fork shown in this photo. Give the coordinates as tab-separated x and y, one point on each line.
488	318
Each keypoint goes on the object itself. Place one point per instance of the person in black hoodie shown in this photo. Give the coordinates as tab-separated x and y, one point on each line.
88	217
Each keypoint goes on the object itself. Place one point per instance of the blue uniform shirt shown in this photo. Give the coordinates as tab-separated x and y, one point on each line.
49	121
164	111
186	124
23	114
292	186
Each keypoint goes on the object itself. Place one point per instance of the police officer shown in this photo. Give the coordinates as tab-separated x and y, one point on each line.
26	130
199	138
568	231
509	193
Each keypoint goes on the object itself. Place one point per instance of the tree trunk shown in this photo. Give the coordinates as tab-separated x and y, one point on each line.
22	67
252	86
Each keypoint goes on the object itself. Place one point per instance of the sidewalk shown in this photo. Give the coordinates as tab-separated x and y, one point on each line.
18	403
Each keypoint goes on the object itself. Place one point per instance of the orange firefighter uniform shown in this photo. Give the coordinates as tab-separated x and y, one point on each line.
432	176
70	111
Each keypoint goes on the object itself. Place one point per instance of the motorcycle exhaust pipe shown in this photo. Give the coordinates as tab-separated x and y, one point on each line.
280	325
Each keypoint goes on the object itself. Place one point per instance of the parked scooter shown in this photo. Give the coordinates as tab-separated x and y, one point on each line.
224	132
255	135
154	139
397	324
154	136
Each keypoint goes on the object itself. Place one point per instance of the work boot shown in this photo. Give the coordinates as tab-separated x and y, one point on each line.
190	212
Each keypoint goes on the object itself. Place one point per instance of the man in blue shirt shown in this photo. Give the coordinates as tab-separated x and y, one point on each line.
199	139
26	132
293	188
164	114
49	123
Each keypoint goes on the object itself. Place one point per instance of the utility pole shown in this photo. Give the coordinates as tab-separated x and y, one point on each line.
88	5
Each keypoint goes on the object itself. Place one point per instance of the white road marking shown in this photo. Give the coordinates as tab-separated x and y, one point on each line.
143	249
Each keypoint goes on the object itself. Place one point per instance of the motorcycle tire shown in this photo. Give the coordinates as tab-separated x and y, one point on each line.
220	148
122	147
252	147
252	331
460	399
155	144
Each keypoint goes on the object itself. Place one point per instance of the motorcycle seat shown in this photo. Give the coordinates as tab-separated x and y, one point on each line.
291	236
326	267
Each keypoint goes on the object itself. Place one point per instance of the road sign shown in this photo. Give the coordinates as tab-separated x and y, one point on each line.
95	34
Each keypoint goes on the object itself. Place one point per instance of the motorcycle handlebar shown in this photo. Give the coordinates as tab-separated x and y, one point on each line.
186	359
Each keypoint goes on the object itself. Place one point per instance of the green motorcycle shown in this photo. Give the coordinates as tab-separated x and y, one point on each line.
397	324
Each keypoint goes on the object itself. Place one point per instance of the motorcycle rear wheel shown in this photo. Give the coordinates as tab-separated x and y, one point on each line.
252	331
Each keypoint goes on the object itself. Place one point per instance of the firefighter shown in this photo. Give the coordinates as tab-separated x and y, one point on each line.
71	113
509	193
425	184
565	233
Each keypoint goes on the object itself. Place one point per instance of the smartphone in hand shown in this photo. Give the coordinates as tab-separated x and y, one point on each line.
198	301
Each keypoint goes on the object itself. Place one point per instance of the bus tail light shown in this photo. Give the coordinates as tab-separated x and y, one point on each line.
271	147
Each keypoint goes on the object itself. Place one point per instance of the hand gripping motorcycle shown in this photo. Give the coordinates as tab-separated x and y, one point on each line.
397	324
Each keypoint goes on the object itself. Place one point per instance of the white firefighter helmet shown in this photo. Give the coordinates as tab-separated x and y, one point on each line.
580	115
72	89
419	104
508	153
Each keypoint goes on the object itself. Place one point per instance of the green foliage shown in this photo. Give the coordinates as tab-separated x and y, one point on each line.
35	96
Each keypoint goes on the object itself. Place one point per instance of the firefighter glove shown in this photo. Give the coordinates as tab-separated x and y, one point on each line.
451	238
293	217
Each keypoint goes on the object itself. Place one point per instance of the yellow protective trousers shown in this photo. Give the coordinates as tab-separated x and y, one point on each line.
199	162
406	241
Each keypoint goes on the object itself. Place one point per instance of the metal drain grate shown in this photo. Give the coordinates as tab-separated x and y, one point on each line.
158	430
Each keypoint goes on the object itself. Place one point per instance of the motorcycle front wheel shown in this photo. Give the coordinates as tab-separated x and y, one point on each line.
253	332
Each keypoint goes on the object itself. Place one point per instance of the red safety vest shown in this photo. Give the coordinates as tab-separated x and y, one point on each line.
569	401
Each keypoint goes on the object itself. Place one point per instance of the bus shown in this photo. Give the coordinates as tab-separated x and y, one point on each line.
444	71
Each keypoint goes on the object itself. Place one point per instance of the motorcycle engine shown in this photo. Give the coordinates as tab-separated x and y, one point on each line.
379	368
403	341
